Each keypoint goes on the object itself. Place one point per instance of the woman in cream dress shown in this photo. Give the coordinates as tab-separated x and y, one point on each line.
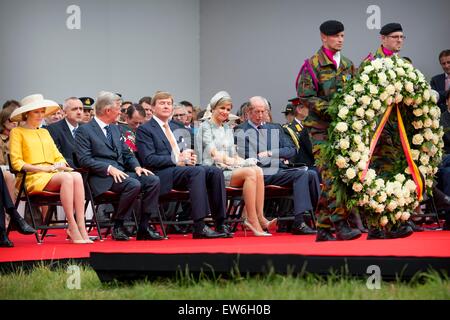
33	150
215	143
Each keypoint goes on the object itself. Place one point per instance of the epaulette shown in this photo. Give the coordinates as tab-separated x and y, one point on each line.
294	137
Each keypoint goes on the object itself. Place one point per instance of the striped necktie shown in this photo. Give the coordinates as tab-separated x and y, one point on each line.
108	134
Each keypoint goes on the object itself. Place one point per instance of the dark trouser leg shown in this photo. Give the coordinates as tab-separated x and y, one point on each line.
444	180
128	190
305	185
193	179
150	186
215	183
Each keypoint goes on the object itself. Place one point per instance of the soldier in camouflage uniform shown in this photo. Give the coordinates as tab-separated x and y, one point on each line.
320	78
389	144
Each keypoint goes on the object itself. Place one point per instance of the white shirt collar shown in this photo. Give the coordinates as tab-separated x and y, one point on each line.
299	122
101	124
160	122
337	58
71	127
254	125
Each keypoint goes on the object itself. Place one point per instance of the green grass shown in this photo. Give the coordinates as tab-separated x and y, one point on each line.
45	283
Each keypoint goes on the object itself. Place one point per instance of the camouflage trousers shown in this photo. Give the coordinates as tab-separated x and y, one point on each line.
327	212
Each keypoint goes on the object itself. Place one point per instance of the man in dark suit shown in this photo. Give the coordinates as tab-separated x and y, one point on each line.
113	167
441	82
63	131
159	151
268	143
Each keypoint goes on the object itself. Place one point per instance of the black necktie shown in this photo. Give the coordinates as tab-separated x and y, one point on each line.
262	139
108	134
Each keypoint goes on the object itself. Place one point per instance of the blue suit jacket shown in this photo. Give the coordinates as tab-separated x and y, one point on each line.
438	84
95	153
154	151
248	144
64	140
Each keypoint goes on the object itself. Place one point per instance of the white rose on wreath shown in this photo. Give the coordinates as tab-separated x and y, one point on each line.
385	86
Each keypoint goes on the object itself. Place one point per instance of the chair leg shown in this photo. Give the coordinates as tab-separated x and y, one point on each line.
313	218
161	223
435	212
31	212
95	217
48	218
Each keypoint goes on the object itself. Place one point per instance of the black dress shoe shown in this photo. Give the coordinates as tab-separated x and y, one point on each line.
225	229
376	234
21	225
148	234
207	233
4	241
302	229
130	231
178	229
119	235
324	234
344	232
402	231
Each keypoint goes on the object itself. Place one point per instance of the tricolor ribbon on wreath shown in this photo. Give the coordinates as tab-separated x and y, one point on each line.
405	145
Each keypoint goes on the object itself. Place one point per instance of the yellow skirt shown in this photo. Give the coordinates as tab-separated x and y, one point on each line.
36	181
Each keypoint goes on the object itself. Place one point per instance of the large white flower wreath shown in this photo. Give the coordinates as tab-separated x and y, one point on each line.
358	114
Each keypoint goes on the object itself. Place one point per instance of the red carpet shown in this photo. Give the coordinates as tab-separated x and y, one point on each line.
424	244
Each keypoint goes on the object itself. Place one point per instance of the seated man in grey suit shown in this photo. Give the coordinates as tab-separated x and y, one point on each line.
63	131
268	143
113	167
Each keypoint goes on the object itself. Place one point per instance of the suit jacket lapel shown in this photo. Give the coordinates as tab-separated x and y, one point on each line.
66	132
161	133
100	133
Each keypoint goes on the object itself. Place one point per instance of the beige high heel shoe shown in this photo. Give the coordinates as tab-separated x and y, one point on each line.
79	241
248	225
84	238
271	225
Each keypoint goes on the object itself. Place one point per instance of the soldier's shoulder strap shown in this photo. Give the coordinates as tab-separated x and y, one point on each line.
308	68
292	135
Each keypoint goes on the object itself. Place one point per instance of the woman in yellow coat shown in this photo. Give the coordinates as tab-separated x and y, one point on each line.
33	150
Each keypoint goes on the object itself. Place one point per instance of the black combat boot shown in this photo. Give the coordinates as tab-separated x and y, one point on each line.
344	232
324	234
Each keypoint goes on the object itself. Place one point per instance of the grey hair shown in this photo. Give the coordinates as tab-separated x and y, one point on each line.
179	106
65	105
104	99
253	99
